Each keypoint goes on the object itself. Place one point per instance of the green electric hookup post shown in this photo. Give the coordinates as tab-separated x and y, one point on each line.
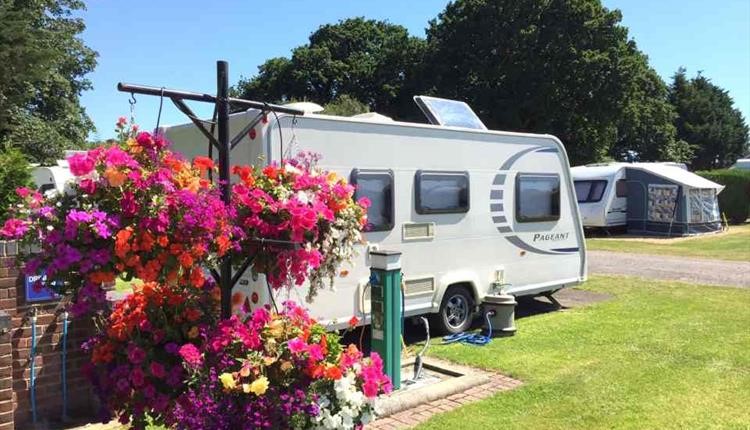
385	299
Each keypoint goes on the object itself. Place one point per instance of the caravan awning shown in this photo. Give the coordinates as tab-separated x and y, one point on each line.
678	175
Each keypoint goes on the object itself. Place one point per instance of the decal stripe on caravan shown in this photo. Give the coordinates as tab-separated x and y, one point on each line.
497	205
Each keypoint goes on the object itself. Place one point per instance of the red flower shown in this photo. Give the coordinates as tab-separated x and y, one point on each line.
203	163
353	322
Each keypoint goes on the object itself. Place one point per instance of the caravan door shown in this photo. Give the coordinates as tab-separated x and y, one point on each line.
617	212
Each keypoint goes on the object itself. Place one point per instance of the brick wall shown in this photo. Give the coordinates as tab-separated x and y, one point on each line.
15	348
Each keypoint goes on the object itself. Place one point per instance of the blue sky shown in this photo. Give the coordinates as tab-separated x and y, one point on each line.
176	43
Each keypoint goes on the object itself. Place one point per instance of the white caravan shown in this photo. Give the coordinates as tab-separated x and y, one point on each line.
602	194
470	209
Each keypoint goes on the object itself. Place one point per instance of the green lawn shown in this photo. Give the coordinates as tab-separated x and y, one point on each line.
658	355
732	245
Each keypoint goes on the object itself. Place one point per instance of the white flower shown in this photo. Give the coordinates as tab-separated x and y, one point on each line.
303	197
332	421
288	168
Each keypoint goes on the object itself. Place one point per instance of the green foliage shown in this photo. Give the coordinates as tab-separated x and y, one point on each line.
42	67
371	61
734	200
14	172
564	67
708	122
344	105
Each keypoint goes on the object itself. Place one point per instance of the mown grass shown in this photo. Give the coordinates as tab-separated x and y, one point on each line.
658	355
732	245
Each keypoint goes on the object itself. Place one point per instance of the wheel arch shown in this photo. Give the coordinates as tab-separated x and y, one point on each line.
466	279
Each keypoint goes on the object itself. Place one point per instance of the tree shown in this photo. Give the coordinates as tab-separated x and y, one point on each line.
344	105
564	67
646	122
708	121
42	67
370	61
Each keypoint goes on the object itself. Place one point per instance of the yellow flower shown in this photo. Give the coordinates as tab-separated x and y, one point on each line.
193	333
227	380
259	386
276	328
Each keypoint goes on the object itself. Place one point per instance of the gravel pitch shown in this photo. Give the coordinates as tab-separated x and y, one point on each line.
693	270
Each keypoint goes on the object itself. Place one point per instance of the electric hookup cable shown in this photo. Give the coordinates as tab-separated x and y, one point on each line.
64	369
472	338
32	381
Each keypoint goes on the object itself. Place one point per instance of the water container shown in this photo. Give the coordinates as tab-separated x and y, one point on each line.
504	308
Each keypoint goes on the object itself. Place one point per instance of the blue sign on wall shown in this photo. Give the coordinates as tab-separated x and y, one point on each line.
36	292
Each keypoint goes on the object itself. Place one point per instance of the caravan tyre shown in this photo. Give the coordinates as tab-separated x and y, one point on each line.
456	311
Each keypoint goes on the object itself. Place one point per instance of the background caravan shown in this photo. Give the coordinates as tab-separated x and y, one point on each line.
470	209
647	198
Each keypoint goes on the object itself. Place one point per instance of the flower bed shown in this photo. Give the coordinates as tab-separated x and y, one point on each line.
276	370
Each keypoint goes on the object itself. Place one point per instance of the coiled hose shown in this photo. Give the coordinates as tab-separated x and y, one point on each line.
472	338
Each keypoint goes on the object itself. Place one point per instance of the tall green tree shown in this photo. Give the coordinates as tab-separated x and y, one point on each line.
43	63
708	121
370	61
564	67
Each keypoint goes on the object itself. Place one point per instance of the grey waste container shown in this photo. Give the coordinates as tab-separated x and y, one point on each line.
504	307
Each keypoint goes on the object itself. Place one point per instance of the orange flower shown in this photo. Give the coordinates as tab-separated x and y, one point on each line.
103	353
196	277
333	372
163	241
115	177
122	247
185	259
192	314
203	163
237	298
223	242
102	277
245	173
271	172
147	242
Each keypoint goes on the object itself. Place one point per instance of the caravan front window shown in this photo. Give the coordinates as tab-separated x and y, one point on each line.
590	191
377	186
537	197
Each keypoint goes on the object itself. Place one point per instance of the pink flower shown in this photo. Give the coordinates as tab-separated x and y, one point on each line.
88	186
191	355
137	377
136	355
23	192
315	351
115	156
80	164
364	202
14	229
157	369
296	345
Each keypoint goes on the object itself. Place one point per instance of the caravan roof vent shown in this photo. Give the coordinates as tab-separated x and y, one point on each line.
306	107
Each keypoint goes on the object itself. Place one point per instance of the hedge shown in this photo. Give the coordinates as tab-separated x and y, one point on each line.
734	201
14	173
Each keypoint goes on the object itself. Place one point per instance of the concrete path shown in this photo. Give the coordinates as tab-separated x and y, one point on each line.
688	269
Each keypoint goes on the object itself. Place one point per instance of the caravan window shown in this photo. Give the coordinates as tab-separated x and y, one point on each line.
441	192
377	186
590	191
537	197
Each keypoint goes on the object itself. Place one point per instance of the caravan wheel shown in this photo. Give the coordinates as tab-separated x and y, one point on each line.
456	311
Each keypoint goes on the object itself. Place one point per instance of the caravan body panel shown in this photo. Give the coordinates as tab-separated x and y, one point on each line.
486	243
